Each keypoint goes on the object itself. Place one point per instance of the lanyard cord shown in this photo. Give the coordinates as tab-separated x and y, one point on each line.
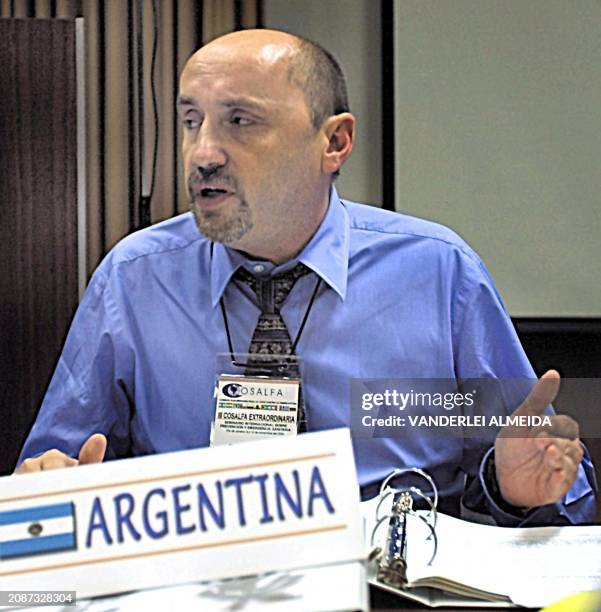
300	330
306	315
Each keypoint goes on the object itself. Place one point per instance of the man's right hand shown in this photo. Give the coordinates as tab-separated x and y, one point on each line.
92	451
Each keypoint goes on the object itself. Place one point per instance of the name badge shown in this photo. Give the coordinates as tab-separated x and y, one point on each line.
251	408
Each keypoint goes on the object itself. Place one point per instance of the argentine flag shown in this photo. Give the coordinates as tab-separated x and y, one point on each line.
38	530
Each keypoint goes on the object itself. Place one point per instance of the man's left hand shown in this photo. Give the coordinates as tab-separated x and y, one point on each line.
537	466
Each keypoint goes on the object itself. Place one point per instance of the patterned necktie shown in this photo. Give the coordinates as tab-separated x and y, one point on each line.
271	336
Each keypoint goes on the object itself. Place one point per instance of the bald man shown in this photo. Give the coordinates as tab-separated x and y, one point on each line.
266	129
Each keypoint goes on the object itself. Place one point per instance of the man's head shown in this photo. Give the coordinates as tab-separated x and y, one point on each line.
318	74
266	127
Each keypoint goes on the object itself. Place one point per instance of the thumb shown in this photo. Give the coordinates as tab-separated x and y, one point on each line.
543	393
93	449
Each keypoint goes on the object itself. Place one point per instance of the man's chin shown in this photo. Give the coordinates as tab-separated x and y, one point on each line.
216	228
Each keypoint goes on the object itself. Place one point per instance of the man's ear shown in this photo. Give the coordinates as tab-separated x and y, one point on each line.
340	133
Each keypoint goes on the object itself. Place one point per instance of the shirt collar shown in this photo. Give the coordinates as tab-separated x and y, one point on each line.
326	254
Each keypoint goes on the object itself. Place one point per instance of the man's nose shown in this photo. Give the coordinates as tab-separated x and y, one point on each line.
207	151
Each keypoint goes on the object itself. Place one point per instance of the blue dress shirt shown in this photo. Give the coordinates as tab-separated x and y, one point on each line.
400	298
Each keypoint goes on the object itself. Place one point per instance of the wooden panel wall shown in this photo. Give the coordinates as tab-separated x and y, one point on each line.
120	130
38	214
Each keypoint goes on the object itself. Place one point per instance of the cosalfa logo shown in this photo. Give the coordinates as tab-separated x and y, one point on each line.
233	390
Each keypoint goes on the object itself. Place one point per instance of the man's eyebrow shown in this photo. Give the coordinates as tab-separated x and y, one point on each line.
185	101
242	103
239	102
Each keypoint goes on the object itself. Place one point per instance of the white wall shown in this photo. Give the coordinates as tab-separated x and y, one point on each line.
498	130
498	135
350	29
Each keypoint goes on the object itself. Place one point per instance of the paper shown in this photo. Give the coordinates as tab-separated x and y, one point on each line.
533	566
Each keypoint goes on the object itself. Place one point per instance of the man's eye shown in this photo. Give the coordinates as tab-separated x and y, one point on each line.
238	120
190	124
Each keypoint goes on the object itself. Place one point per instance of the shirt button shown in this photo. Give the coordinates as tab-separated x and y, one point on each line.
259	268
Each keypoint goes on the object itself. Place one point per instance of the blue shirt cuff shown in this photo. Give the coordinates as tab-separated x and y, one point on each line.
577	506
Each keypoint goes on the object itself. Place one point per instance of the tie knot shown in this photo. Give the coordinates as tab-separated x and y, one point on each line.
272	292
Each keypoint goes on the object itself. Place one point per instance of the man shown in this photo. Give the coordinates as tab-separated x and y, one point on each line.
266	130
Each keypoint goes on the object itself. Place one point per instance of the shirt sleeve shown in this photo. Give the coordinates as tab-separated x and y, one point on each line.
486	346
577	506
87	393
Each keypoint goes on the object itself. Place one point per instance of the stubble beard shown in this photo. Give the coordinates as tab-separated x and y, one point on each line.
222	226
225	225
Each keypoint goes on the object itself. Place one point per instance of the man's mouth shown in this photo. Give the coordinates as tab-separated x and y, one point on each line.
211	196
212	192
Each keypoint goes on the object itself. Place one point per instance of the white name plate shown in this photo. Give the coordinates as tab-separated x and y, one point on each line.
193	515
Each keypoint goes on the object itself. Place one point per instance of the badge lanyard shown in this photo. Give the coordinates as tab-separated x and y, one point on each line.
273	366
266	400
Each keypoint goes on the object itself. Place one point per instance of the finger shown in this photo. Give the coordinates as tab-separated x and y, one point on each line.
569	470
564	456
553	457
93	449
561	426
570	448
558	484
564	446
542	394
33	464
50	460
56	462
543	439
578	454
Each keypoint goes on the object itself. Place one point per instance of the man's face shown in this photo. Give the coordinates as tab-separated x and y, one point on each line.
251	154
